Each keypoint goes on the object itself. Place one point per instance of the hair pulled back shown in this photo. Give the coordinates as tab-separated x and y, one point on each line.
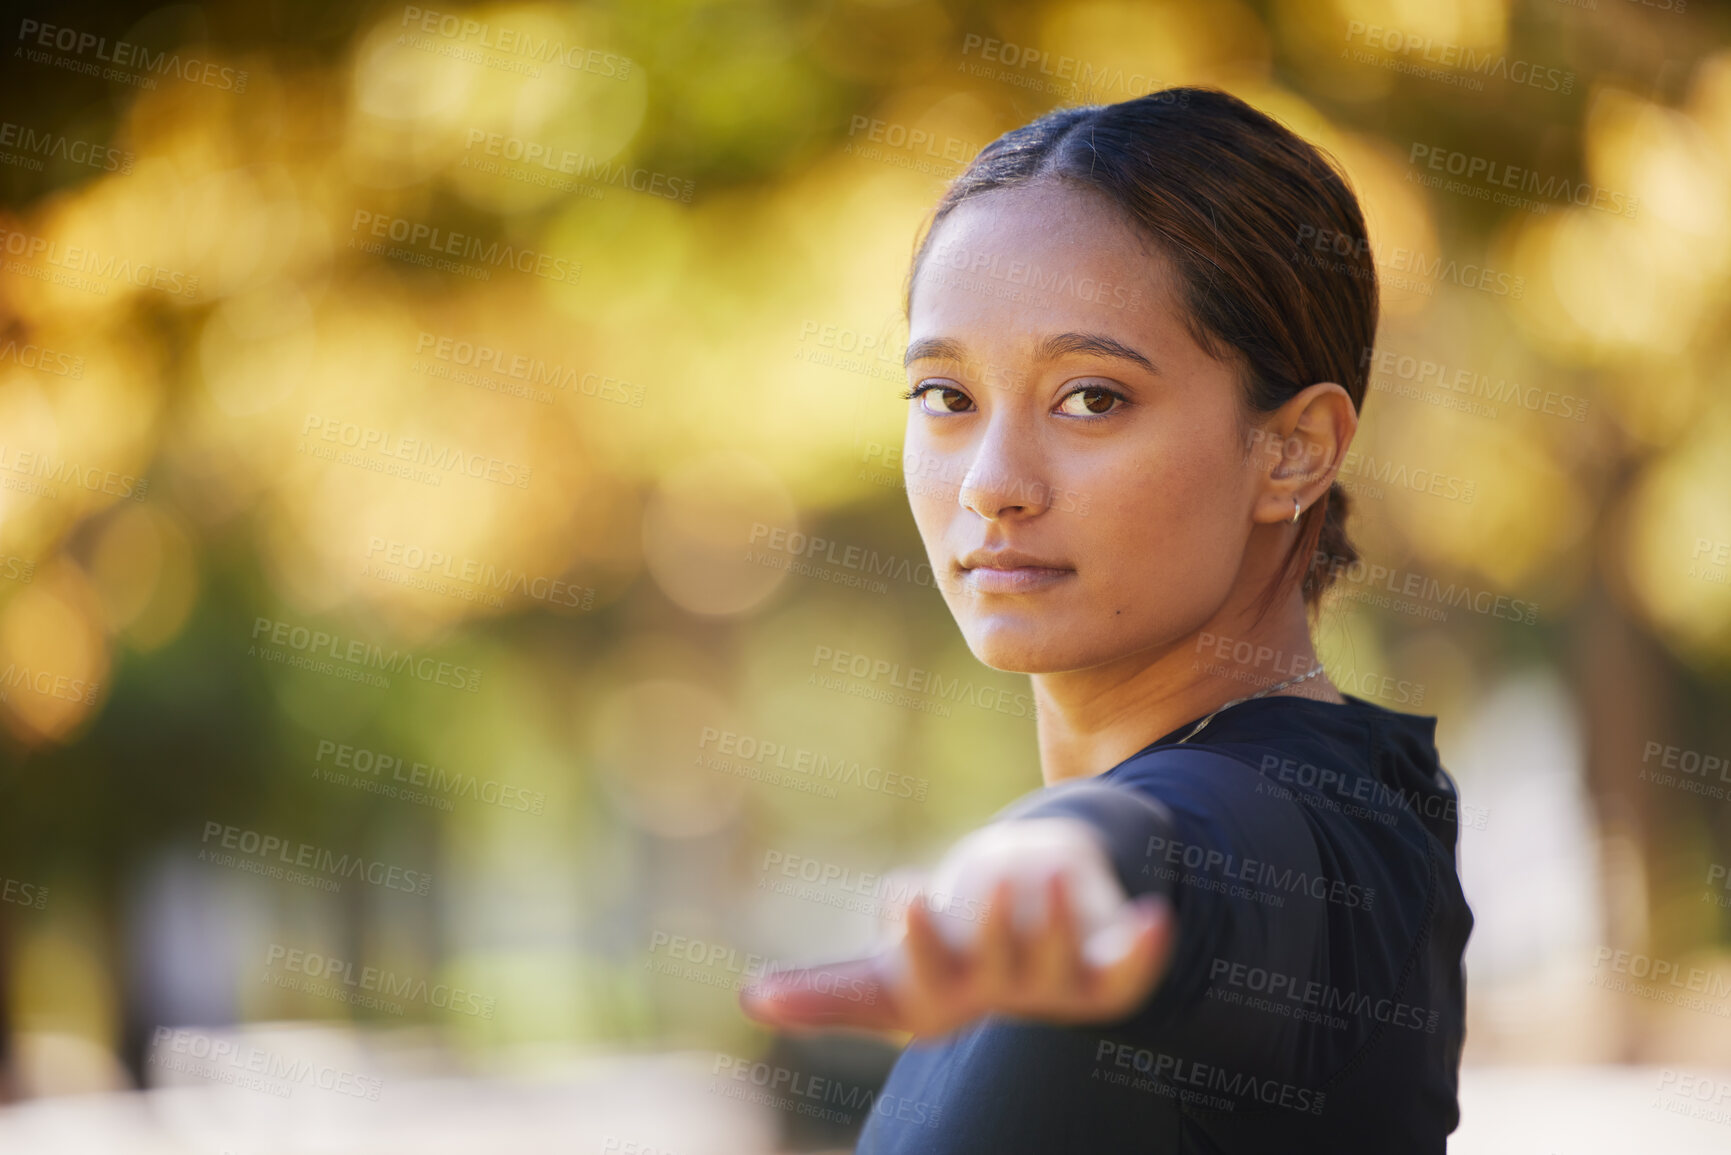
1249	215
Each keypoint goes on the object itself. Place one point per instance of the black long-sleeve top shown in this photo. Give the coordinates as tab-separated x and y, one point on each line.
1315	997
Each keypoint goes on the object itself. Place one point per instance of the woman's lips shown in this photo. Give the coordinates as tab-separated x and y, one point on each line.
1015	580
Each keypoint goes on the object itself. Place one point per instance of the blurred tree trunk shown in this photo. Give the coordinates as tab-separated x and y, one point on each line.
1629	686
8	1071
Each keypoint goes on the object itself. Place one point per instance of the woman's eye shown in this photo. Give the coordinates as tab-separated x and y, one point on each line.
1090	401
944	397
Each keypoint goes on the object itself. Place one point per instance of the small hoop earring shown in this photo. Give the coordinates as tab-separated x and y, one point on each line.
1295	510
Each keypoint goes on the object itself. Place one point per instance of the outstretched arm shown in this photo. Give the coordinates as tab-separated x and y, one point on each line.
1212	867
1026	917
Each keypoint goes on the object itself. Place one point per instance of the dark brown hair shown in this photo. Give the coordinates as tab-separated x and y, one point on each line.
1242	207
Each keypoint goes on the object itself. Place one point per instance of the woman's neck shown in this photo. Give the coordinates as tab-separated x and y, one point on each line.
1092	719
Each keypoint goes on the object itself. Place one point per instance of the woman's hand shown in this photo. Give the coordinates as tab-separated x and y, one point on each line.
1023	918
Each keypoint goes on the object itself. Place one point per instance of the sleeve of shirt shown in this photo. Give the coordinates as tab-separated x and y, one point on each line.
1206	830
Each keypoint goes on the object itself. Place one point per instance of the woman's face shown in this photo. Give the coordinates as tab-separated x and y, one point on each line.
1064	414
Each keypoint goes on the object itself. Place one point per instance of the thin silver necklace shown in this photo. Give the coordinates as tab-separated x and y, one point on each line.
1277	686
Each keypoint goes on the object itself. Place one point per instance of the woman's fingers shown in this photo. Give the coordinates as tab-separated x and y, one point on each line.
931	969
1056	963
995	957
920	986
1125	982
899	887
850	993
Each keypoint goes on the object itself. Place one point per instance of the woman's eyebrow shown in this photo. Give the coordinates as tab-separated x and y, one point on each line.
1050	349
1060	344
933	348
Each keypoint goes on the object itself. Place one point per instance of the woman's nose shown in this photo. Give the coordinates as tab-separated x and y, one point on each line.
1002	480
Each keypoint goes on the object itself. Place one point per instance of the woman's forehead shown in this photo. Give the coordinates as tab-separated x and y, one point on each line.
1038	260
1047	239
1046	214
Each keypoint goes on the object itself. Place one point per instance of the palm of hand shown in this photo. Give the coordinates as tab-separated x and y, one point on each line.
1021	918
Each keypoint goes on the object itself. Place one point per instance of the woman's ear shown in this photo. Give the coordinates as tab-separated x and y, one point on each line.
1303	445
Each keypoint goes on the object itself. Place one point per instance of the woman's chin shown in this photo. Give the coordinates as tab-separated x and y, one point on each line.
1025	647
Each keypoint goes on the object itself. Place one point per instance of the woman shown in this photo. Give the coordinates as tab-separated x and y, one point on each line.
1231	921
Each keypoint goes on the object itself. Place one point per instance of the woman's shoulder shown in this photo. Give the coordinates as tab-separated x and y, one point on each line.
1353	730
1352	759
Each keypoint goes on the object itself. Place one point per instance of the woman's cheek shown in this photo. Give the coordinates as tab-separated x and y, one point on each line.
1186	540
